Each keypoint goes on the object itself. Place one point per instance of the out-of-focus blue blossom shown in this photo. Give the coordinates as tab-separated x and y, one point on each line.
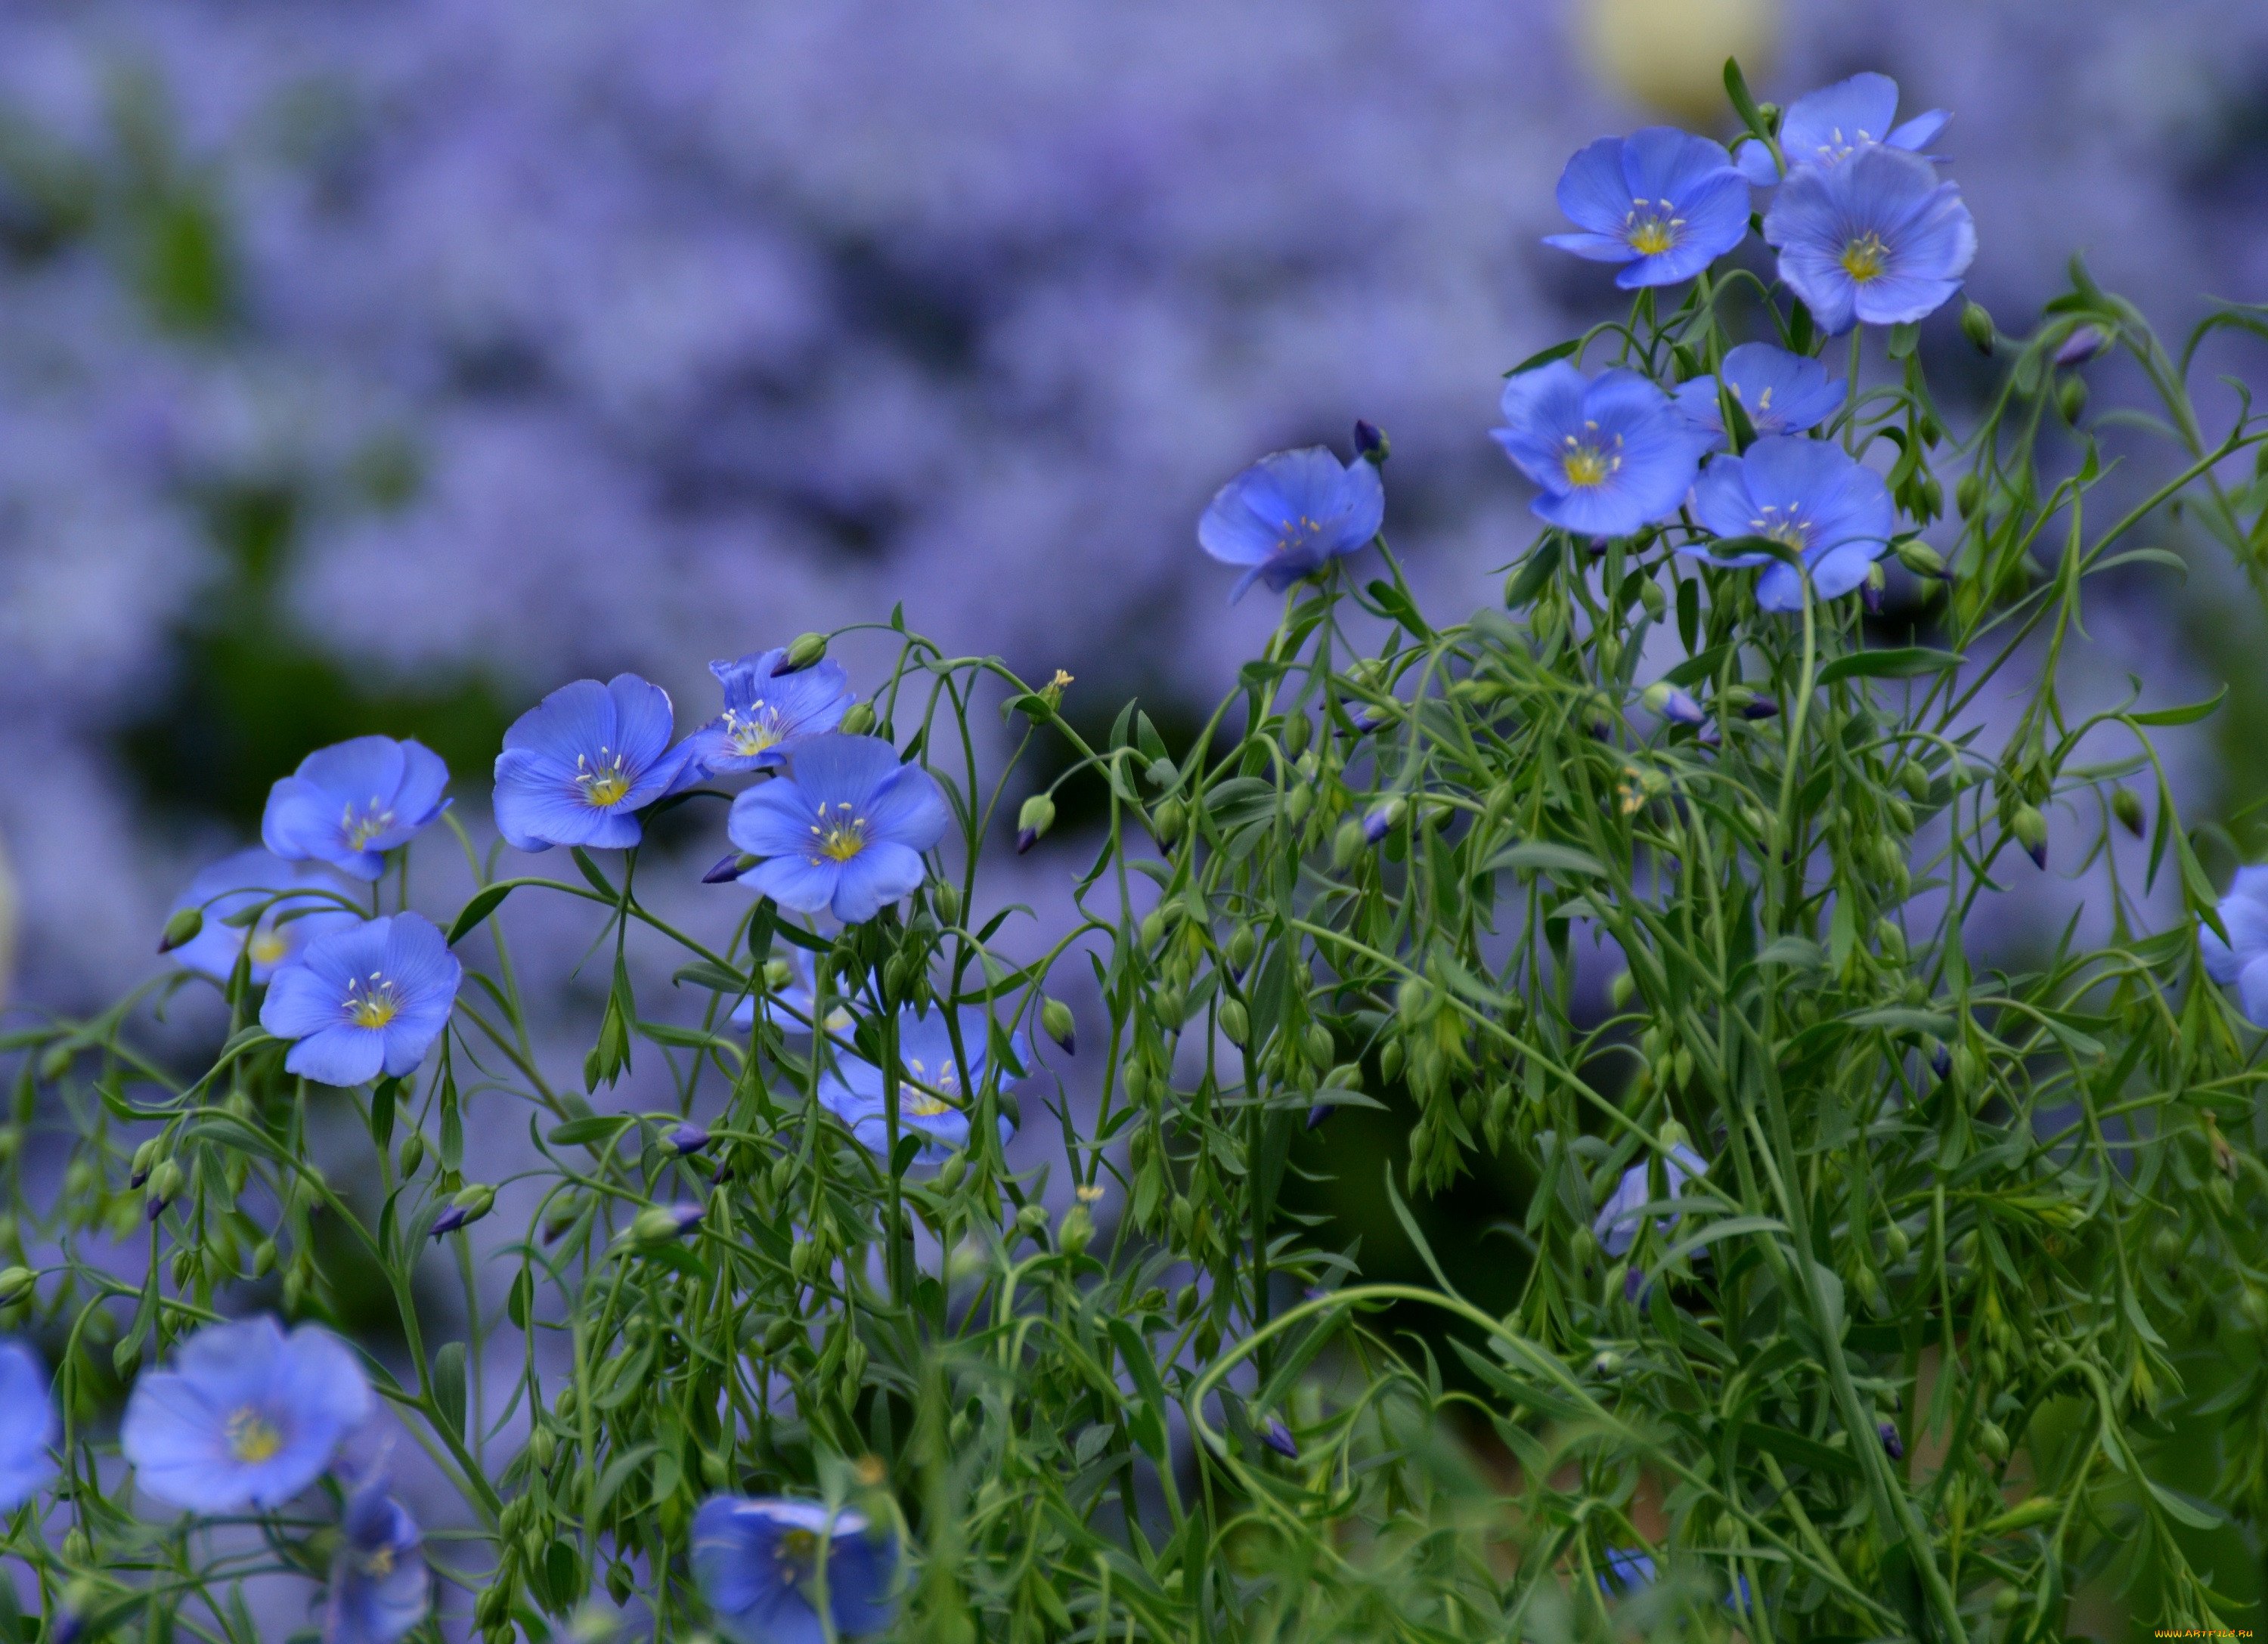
843	831
349	803
1781	392
302	904
1628	1569
938	1110
1616	1223
1661	201
1877	239
1289	514
2242	961
797	1002
1808	495
246	1416
366	1001
577	766
1611	452
764	707
27	1425
1824	127
759	1563
379	1589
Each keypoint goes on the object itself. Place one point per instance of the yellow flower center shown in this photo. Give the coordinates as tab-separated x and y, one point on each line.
379	1561
1783	525
943	1081
750	734
374	1003
796	1551
1297	534
1585	461
363	824
839	838
252	1436
268	946
603	780
1650	228
1864	257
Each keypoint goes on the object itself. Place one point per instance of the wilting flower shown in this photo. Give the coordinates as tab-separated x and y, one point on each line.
364	1000
349	803
2242	960
1617	1221
1824	127
763	707
1877	239
27	1425
1661	201
1780	393
1806	494
766	1565
577	766
379	1589
933	1097
1611	452
843	831
1289	514
248	1415
301	903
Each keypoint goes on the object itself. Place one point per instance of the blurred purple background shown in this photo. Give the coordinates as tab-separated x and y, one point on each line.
383	357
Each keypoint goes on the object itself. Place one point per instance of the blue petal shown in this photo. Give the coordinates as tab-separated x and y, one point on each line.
360	770
877	876
832	768
775	819
1663	163
341	1055
1592	193
907	809
577	720
1825	126
643	724
1839	570
2252	990
28	1427
300	1003
1594	248
799	883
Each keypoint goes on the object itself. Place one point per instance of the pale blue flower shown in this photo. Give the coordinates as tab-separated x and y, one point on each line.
28	1427
1610	453
2242	961
246	1416
577	766
843	831
1290	514
797	1002
1617	1224
759	1562
1824	127
1661	201
349	803
1806	494
366	1001
765	707
379	1588
1877	240
300	902
1781	392
935	1096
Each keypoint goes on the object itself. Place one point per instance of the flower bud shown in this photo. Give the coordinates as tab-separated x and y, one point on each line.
1673	704
1243	943
2081	346
1382	818
1235	1024
469	1207
2032	830
413	1152
1919	558
181	928
807	648
1758	705
1036	818
1655	601
688	1138
541	1447
658	1224
730	866
1371	445
1347	844
1032	1218
165	1183
858	719
145	1160
1319	1112
15	1284
2070	399
1976	325
1166	821
1893	1446
2127	807
1967	493
1278	1438
1055	1020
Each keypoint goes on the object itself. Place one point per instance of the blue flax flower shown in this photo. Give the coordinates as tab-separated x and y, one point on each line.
366	1001
2242	960
1611	452
760	1563
796	1001
577	766
1289	514
1661	201
764	707
1876	239
1617	1221
248	1415
1629	1569
1824	127
27	1425
300	904
379	1589
1780	393
349	803
843	831
933	1098
1808	495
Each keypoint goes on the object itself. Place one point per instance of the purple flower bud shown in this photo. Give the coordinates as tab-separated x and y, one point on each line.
1378	821
1940	1062
730	866
1318	1113
1676	705
2082	345
1893	1446
449	1221
723	1174
688	1138
1026	838
1367	717
1870	595
1370	443
659	1223
1278	1438
1633	1284
1760	707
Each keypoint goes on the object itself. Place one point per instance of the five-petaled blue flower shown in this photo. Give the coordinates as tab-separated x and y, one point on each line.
299	902
1611	452
766	1565
1780	393
764	707
577	766
27	1425
2242	960
1618	1219
843	831
379	1589
246	1416
349	803
1289	514
366	1001
1877	239
933	1097
1824	127
1661	201
1806	494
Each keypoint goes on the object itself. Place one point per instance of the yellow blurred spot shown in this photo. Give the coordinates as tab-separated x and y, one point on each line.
1669	55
